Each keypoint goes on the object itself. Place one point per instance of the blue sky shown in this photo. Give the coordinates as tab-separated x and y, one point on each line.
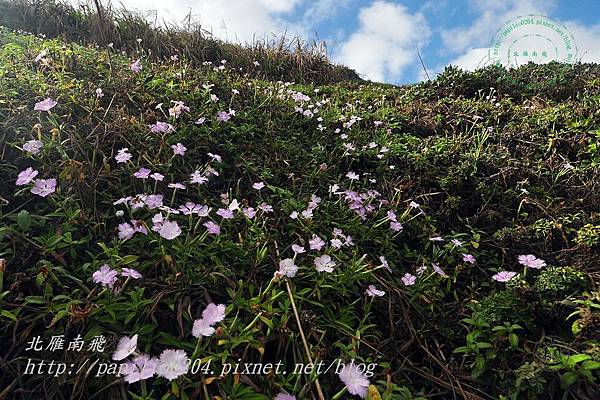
379	38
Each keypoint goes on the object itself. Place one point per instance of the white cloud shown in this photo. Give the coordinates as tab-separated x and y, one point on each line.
385	42
492	14
472	59
280	6
234	20
586	37
324	9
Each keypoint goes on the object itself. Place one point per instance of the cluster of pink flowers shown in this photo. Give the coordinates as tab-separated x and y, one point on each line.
361	203
41	187
364	202
529	261
169	229
107	277
170	365
313	204
322	263
395	225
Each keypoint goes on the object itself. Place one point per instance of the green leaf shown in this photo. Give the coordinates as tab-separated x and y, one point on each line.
129	259
590	364
8	315
35	300
577	358
60	315
567	379
24	220
267	321
462	349
513	339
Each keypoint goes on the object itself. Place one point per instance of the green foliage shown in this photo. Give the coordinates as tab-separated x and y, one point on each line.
555	283
499	307
588	235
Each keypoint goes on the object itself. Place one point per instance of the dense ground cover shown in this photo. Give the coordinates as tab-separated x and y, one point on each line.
447	232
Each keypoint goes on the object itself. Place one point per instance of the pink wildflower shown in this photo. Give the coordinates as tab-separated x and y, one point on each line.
44	187
374	292
172	364
356	382
125	347
136	67
504	276
179	149
531	261
45	105
169	230
106	276
212	228
409	279
26	176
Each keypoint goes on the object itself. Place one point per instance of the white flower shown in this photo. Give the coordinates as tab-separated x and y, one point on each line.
214	313
202	328
336	243
169	230
140	368
352	176
125	347
384	263
215	157
297	249
356	382
324	263
288	268
374	292
234	205
172	364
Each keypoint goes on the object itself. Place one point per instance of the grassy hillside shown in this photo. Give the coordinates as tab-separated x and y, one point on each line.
280	58
471	204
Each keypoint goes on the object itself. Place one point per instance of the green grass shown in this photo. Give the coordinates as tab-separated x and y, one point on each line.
507	171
